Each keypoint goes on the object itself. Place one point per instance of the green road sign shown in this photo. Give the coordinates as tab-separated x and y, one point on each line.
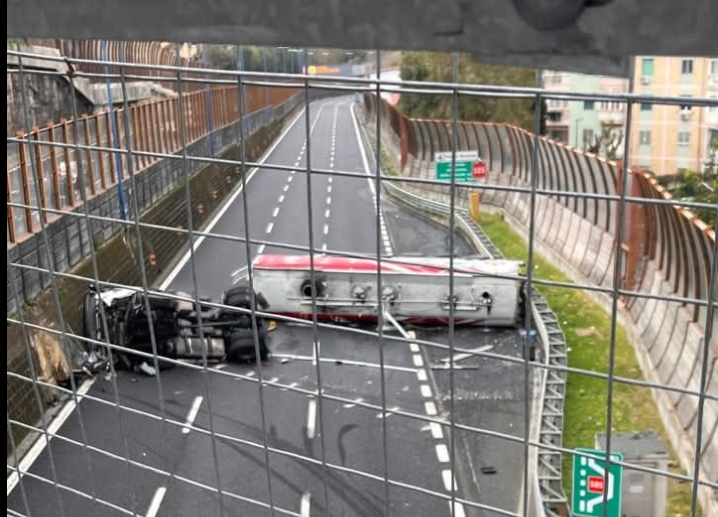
463	165
589	484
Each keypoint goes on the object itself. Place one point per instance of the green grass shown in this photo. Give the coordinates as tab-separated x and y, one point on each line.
587	328
387	162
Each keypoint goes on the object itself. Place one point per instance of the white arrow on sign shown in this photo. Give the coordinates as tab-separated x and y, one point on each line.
591	504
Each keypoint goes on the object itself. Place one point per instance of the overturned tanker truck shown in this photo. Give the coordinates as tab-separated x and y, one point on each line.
413	291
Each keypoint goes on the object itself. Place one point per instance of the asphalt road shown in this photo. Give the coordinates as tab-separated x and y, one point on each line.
178	471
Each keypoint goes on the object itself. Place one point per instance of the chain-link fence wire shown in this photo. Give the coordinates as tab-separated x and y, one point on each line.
47	174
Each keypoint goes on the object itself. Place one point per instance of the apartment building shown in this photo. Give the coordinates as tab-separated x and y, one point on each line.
586	124
671	139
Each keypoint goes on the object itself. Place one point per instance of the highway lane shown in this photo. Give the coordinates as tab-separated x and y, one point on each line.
189	466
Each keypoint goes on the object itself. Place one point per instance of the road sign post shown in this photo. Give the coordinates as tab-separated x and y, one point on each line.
588	486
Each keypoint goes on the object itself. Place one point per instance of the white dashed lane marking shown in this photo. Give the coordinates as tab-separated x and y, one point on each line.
192	415
442	452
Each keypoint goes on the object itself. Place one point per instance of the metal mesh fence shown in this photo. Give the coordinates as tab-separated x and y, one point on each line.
185	165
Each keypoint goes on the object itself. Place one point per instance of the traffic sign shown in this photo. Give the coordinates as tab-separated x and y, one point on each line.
478	170
464	165
588	486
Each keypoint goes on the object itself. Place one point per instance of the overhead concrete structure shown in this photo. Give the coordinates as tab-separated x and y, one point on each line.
559	34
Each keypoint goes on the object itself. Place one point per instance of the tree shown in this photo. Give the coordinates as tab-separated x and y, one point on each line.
702	187
435	66
608	142
224	57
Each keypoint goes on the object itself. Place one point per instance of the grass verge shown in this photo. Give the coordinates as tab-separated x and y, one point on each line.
587	328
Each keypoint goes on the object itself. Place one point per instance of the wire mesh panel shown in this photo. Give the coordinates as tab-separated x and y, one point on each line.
255	294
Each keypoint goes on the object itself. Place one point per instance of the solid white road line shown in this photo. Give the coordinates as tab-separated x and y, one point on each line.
388	249
192	415
40	444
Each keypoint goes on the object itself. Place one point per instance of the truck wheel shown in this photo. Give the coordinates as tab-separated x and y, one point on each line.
241	296
240	346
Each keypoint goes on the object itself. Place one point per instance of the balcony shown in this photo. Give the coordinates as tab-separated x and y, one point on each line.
612	117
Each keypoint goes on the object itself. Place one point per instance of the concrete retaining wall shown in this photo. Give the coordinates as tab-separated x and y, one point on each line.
161	197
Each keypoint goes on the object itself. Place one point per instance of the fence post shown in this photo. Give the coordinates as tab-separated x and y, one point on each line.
24	178
145	132
139	159
157	126
110	143
100	159
166	121
68	164
40	171
10	214
88	153
53	165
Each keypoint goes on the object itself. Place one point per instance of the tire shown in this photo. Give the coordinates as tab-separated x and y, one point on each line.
240	346
241	296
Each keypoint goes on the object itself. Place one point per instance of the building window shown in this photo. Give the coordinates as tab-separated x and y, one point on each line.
644	137
684	138
647	66
686	66
714	66
589	105
646	106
